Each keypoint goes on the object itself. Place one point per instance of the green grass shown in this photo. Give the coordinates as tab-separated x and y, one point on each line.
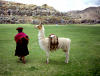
84	58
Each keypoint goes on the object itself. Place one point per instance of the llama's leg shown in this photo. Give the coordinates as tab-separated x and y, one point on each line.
47	57
67	56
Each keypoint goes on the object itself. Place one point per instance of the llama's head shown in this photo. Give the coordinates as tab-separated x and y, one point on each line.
38	26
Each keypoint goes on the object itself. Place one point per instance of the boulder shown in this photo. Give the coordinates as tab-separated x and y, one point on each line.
36	21
62	21
1	20
22	21
1	11
70	21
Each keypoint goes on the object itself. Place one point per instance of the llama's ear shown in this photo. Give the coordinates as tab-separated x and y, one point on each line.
40	24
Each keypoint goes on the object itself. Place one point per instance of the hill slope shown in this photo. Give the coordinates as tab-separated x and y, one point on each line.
88	13
23	13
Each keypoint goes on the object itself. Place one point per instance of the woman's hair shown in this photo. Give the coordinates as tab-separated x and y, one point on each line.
19	30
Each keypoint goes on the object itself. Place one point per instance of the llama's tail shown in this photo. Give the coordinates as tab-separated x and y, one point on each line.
68	40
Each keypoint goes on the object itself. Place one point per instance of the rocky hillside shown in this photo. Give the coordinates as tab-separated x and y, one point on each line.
88	13
12	12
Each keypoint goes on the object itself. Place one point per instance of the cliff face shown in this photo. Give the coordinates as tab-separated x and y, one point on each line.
12	12
14	8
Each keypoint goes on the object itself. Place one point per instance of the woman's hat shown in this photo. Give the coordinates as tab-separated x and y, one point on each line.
19	28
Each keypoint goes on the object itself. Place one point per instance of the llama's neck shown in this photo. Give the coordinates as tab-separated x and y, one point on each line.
41	33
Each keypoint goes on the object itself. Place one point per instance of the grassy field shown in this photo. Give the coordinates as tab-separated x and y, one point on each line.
84	58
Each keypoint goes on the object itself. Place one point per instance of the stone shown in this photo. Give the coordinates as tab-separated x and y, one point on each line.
36	21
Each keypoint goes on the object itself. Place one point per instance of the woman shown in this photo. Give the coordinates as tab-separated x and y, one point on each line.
21	44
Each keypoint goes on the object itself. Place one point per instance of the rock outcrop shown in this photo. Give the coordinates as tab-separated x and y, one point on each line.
14	13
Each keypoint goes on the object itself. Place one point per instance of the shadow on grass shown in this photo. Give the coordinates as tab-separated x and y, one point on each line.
21	61
55	62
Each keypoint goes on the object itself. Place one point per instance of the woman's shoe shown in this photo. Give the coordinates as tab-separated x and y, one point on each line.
24	62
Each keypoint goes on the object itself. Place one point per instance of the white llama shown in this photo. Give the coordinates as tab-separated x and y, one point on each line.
64	43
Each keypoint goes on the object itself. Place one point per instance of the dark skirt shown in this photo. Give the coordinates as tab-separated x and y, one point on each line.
21	49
